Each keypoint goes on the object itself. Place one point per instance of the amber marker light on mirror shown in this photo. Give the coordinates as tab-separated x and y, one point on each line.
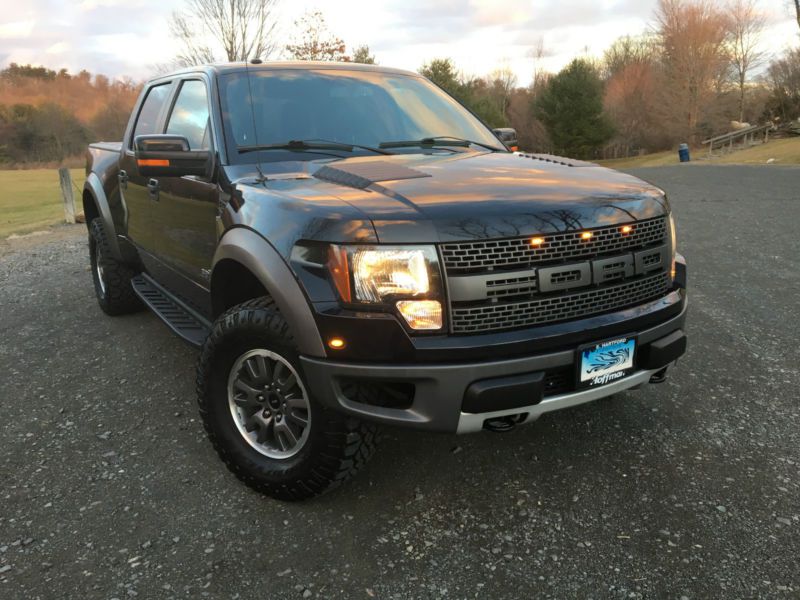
336	343
586	235
422	315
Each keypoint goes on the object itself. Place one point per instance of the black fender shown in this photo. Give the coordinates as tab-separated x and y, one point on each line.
253	252
95	188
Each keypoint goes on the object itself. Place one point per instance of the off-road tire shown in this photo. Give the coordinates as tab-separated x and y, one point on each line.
337	446
114	292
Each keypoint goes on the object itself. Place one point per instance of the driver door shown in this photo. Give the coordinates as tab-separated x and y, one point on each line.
135	189
186	213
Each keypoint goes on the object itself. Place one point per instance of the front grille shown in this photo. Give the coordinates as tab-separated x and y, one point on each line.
560	307
518	253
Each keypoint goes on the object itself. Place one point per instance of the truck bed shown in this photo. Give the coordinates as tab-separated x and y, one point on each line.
109	146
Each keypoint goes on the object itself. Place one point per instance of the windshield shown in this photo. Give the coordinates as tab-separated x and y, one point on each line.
351	107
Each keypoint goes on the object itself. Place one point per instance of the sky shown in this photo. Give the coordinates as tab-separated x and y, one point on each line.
130	37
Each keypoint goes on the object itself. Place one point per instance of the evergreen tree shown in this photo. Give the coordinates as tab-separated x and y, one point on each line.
362	55
571	108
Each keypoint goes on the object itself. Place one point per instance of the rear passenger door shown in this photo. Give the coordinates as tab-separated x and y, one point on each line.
137	199
186	212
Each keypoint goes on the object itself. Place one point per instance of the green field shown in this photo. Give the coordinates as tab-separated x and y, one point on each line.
30	199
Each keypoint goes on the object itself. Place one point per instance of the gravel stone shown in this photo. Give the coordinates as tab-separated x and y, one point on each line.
646	469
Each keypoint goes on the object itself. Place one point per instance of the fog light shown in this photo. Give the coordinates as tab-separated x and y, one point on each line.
421	314
336	343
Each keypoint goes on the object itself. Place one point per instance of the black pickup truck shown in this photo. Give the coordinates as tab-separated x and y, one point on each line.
350	247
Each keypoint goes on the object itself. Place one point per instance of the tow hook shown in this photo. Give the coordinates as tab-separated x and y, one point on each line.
503	424
660	376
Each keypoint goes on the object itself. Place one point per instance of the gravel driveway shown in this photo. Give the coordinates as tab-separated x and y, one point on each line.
109	488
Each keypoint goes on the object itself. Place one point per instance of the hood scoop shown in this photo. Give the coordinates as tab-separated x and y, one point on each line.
361	175
559	160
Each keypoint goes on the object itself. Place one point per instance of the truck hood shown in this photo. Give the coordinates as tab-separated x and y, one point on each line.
470	195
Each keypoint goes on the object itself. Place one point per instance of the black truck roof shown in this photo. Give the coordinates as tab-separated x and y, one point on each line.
233	67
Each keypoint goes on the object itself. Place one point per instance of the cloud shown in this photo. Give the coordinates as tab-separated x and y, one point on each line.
128	37
92	4
16	29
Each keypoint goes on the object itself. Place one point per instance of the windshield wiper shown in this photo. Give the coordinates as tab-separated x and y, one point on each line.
437	141
311	145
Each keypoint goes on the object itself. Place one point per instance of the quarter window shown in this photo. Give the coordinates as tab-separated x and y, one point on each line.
189	116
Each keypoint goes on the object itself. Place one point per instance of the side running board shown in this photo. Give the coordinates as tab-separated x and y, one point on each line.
183	321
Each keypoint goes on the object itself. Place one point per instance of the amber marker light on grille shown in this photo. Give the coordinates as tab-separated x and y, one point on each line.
537	241
626	229
336	343
586	235
423	315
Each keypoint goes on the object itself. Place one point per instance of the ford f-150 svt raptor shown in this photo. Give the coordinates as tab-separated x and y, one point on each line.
349	247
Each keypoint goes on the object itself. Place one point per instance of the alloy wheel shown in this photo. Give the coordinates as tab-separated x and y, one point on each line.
269	403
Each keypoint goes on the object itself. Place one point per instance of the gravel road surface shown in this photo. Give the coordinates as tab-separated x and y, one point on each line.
689	489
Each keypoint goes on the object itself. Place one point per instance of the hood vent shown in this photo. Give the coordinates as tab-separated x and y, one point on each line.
559	160
361	175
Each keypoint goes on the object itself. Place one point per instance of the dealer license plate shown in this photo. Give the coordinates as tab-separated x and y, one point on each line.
604	362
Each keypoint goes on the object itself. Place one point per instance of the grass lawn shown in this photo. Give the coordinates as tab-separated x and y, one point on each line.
784	152
30	199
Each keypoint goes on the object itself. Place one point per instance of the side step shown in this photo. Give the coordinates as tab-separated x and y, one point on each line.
183	321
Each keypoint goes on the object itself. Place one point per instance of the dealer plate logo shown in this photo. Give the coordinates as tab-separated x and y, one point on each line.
606	361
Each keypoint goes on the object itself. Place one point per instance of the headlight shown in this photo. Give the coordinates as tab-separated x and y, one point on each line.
405	277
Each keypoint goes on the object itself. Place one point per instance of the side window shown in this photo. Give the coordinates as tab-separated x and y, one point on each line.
189	116
147	121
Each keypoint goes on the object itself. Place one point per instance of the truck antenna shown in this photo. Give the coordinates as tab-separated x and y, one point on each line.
262	178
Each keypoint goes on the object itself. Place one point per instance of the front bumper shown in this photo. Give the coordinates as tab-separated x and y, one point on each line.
440	389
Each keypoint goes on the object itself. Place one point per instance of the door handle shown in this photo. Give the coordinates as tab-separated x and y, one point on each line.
123	179
153	188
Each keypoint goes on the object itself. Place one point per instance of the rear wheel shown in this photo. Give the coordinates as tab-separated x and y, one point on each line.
266	427
112	278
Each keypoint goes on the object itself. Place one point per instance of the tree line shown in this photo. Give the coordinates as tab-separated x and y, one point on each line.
49	116
697	67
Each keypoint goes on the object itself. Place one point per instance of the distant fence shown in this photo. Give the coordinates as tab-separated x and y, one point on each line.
747	136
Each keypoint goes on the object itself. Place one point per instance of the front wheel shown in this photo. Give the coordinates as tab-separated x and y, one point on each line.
266	427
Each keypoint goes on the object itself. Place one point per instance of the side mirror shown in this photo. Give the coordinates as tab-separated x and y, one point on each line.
508	136
166	155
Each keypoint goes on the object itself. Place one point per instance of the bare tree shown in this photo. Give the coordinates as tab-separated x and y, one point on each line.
504	81
314	41
230	30
797	10
694	54
746	23
538	53
632	95
629	50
